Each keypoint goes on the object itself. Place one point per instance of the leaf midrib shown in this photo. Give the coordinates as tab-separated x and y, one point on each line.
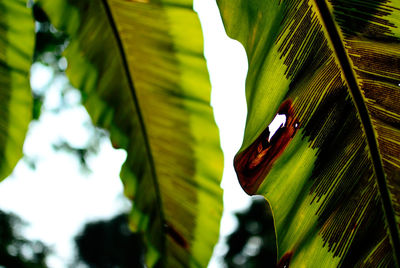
138	110
358	100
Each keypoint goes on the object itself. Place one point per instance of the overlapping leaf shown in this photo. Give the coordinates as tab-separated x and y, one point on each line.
16	52
140	67
332	172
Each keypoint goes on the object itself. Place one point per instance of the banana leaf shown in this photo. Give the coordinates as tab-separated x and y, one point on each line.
331	172
17	37
140	67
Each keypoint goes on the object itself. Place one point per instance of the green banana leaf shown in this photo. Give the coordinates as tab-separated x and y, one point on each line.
140	67
331	172
17	37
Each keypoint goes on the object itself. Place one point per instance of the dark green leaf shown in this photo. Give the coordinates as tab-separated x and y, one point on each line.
332	172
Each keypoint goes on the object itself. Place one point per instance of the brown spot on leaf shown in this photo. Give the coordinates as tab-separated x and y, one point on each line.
253	164
285	260
176	236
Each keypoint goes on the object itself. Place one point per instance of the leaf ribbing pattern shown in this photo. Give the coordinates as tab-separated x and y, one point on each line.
335	189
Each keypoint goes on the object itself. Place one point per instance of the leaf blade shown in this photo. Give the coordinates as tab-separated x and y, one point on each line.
298	62
16	53
365	117
162	66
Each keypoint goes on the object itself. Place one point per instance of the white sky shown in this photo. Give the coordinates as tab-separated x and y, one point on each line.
58	192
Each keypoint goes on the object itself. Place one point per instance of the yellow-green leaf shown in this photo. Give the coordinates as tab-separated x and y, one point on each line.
332	171
141	69
17	37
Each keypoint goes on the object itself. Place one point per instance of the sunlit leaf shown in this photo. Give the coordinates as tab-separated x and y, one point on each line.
16	52
331	172
140	67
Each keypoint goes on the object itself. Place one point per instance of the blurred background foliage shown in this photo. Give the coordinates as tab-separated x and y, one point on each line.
253	243
49	45
15	250
109	243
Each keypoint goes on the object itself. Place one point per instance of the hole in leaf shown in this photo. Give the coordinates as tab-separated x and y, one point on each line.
278	122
